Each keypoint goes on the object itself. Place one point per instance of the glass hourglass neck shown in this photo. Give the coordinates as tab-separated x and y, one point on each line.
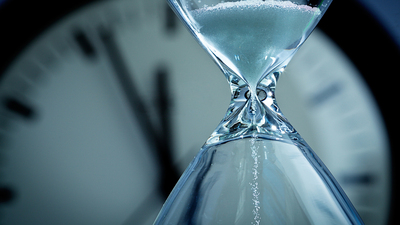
253	112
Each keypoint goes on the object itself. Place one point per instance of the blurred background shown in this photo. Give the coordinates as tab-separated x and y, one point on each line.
103	104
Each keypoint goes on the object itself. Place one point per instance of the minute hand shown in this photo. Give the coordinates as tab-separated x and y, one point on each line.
162	150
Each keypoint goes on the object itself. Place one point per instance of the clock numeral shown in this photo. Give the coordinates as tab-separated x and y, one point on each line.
6	195
19	108
358	179
326	94
84	43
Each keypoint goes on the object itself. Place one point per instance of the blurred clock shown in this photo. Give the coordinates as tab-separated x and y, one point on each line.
104	103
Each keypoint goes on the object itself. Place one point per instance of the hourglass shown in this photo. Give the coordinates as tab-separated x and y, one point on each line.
255	168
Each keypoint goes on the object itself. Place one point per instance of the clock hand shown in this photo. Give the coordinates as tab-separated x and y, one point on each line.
124	78
171	21
169	173
164	109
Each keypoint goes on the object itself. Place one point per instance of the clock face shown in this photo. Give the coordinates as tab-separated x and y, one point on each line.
336	114
77	148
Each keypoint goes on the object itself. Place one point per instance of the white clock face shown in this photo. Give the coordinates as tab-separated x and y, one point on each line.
329	103
75	153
